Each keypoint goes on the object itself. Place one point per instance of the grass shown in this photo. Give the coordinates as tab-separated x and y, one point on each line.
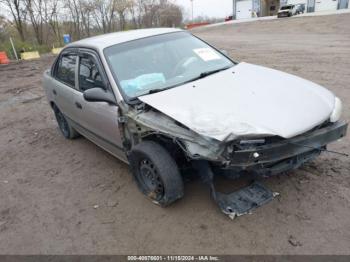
23	46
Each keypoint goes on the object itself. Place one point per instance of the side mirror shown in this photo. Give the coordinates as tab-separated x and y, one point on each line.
224	52
99	95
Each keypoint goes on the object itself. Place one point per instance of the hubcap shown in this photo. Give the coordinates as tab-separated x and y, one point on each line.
151	180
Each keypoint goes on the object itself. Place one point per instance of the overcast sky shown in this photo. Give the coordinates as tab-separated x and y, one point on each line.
211	8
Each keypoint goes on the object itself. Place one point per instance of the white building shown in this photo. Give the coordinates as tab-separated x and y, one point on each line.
249	8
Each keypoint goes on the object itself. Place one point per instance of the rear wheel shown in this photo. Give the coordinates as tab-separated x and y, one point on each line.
156	173
65	128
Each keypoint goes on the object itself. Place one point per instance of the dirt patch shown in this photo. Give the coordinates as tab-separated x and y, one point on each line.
71	197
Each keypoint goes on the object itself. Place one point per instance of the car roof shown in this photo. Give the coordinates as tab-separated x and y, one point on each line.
102	41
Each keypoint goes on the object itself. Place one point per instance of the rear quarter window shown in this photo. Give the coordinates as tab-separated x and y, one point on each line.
65	70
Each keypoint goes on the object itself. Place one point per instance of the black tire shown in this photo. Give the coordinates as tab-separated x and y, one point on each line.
65	128
156	173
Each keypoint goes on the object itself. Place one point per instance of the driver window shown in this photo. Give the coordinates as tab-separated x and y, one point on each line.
89	75
65	71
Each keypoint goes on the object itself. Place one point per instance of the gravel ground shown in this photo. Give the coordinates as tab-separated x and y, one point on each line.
71	197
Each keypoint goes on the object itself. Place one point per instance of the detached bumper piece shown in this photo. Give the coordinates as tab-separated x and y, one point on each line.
237	203
244	200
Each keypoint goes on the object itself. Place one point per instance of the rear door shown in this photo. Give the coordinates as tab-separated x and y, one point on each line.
65	83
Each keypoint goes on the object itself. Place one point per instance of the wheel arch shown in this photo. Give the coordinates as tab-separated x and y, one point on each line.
53	104
171	146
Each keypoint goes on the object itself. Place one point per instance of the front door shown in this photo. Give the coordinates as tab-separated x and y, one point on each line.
97	120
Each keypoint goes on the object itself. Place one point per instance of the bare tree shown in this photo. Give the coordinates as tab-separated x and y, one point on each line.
169	15
150	8
74	16
104	11
3	28
18	11
45	20
134	10
86	10
36	10
53	20
122	6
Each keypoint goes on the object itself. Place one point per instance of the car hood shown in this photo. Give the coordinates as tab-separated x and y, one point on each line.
246	101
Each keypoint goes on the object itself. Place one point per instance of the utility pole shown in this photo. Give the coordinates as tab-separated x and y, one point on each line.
13	48
192	9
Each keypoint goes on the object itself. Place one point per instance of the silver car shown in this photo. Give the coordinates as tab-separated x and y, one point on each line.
169	104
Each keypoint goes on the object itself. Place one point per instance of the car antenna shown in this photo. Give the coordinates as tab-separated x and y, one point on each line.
321	149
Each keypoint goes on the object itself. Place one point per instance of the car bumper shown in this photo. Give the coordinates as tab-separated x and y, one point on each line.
283	14
287	154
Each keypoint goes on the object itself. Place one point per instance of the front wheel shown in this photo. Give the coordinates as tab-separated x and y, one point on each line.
156	173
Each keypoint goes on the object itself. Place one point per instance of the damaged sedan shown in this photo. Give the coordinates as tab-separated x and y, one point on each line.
165	102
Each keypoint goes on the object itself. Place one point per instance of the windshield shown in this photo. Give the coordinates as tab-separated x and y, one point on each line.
286	7
165	61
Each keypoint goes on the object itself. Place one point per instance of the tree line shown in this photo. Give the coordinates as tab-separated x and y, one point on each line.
45	21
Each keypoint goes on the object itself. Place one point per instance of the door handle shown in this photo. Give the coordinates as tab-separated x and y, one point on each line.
78	105
54	92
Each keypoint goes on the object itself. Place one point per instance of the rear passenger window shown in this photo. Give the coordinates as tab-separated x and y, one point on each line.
89	75
66	69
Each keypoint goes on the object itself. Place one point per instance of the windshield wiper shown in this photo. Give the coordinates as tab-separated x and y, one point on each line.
153	91
201	75
205	74
208	73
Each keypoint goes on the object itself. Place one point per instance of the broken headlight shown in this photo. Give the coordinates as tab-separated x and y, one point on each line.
251	143
245	144
336	114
